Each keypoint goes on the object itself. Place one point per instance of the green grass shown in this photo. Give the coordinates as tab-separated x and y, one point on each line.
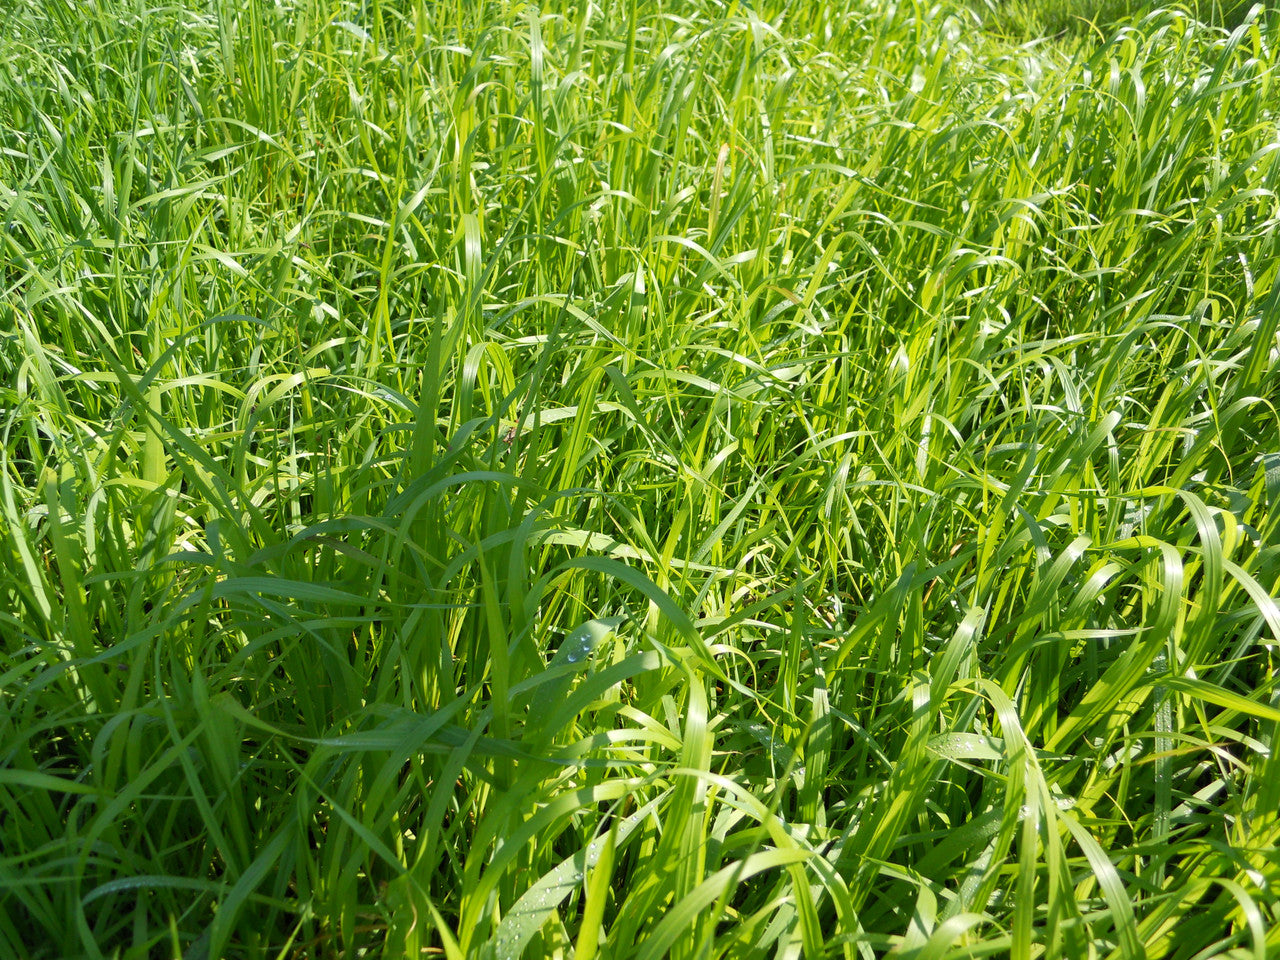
1091	20
619	480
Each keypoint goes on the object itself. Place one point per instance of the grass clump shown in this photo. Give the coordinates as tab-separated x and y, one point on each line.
1074	21
682	479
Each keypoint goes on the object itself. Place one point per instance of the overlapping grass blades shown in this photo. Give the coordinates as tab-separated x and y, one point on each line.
636	480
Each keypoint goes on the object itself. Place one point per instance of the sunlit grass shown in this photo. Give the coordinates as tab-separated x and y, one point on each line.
1091	20
636	480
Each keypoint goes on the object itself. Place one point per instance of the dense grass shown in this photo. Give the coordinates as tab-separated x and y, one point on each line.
1087	21
636	479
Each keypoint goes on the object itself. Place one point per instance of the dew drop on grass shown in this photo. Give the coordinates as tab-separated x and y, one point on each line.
578	645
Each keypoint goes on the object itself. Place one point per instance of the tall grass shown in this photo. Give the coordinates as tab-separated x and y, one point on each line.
629	479
1088	20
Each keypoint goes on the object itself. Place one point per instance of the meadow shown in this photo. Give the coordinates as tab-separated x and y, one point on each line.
681	478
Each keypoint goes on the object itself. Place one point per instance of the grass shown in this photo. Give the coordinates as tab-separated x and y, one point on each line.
1086	21
633	480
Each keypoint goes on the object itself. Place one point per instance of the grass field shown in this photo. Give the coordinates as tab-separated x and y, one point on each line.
637	479
1093	20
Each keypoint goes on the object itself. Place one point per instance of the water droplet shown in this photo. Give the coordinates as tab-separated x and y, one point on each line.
578	645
